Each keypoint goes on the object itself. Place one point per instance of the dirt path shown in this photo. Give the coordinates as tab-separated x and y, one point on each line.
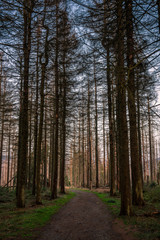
85	217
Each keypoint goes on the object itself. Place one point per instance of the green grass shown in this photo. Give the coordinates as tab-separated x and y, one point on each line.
113	203
21	223
146	224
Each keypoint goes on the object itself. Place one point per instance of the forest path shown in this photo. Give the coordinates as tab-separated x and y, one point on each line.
85	217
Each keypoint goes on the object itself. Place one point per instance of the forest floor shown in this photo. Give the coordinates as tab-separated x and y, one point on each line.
79	214
85	217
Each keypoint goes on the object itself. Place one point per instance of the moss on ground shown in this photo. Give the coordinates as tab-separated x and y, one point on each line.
146	221
22	223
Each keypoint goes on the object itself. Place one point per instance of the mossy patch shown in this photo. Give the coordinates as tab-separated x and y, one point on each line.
146	221
21	223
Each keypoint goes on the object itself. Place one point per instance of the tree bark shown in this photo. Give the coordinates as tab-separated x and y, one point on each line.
89	142
150	143
104	146
43	76
126	203
96	130
137	188
23	143
55	175
36	115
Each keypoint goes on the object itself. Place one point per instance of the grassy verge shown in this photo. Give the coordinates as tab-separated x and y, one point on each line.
146	221
22	223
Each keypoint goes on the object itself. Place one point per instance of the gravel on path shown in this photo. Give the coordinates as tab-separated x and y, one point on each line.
85	217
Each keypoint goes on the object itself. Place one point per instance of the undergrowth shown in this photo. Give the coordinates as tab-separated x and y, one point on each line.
22	223
146	220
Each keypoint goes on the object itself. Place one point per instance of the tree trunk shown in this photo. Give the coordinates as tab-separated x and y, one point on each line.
23	143
30	141
126	203
111	128
96	130
83	157
89	142
55	175
104	146
150	143
137	188
9	147
43	76
36	116
139	132
62	169
79	157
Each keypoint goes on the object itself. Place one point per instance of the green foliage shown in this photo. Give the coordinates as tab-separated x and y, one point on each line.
113	203
153	184
152	194
145	221
6	195
21	222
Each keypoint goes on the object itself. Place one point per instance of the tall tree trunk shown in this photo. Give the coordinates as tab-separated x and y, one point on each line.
30	141
20	126
79	157
36	115
111	127
96	130
150	143
89	141
139	131
83	157
2	134
137	188
126	202
105	43
45	151
23	143
9	152
144	160
39	143
55	175
62	169
104	146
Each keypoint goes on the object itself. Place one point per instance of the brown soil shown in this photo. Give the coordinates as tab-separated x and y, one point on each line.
85	217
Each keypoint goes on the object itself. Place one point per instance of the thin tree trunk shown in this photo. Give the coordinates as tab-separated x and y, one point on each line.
104	146
89	141
45	151
150	143
9	146
144	160
139	131
43	76
83	157
2	141
36	115
62	169
96	130
79	157
30	142
55	175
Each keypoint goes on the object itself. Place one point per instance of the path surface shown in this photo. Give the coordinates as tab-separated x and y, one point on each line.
85	217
